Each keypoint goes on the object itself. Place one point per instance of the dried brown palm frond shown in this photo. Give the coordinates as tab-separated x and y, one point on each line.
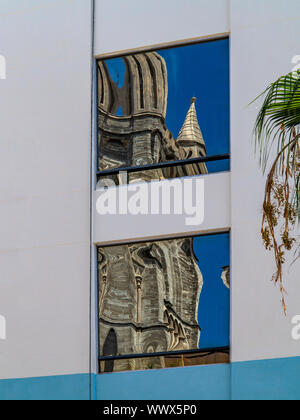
278	123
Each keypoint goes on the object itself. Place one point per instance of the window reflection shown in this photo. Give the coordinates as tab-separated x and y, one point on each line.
151	301
139	98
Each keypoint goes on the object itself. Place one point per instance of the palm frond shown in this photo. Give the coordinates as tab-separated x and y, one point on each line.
277	129
278	116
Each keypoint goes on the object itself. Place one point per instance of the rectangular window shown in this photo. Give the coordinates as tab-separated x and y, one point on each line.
165	113
164	303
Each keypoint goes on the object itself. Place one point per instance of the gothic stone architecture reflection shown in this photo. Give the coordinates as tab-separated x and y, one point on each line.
148	293
148	300
140	135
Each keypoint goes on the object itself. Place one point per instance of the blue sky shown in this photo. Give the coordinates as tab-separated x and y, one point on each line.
213	253
200	70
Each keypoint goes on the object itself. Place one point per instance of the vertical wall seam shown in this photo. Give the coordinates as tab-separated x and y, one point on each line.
92	182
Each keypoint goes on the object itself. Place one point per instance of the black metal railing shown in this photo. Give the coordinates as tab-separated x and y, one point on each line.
205	352
162	165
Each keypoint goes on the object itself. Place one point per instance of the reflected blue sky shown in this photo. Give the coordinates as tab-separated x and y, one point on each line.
200	70
213	253
116	68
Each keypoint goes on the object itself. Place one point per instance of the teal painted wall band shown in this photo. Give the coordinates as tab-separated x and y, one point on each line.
62	387
277	379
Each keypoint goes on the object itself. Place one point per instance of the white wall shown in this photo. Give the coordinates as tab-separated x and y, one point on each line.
122	25
213	206
264	37
45	186
45	167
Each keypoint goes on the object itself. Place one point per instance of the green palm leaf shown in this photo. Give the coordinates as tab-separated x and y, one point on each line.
278	122
278	116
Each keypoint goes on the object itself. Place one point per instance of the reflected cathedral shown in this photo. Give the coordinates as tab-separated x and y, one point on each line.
148	293
140	135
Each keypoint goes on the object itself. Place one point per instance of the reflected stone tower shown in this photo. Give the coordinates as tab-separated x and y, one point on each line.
190	141
148	293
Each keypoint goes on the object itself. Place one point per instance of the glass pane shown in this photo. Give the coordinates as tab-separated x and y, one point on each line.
165	105
164	296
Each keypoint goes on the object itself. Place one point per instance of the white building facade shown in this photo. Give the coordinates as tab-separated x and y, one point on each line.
50	232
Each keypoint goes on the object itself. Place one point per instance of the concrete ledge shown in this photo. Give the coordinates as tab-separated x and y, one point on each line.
190	383
110	229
